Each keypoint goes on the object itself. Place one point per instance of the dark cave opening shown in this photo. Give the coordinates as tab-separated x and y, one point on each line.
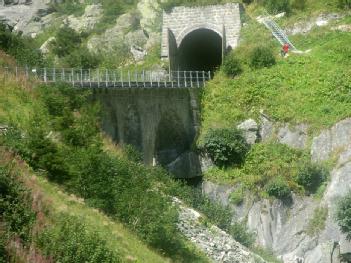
201	50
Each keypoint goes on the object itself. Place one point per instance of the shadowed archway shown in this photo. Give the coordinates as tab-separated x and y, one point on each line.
200	50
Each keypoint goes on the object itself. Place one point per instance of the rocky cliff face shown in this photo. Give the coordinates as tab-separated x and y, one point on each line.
285	228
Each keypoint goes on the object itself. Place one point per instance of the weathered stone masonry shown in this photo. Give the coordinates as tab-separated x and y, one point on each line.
181	21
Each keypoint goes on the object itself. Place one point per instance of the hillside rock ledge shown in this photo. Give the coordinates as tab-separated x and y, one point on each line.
214	242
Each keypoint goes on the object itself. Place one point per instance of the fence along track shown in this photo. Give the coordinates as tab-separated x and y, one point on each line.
107	78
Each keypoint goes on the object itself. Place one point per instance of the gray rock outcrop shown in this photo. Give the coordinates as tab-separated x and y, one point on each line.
87	21
295	137
250	130
337	138
215	243
185	166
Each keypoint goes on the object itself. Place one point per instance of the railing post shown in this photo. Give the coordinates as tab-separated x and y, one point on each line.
45	75
185	82
209	75
203	78
81	77
63	75
151	73
197	79
129	78
98	77
171	79
191	79
114	79
158	81
144	77
122	78
72	79
54	75
106	78
178	76
89	77
136	78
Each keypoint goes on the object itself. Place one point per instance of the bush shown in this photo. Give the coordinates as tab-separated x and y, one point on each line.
344	4
241	234
278	188
343	215
21	48
66	41
225	146
70	241
277	6
231	65
299	4
311	176
15	205
237	197
261	57
82	58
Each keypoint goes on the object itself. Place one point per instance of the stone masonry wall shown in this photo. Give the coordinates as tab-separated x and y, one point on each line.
183	20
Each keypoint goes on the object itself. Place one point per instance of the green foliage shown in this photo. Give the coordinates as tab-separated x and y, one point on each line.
261	57
3	254
311	176
317	222
82	58
277	6
225	146
20	47
267	161
168	5
66	41
15	205
344	4
231	65
237	197
343	215
241	234
69	240
132	153
299	4
278	188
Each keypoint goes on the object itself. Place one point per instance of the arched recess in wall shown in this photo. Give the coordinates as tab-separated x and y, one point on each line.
171	139
200	49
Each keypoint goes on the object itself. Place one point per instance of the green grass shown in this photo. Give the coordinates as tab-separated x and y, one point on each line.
317	222
115	234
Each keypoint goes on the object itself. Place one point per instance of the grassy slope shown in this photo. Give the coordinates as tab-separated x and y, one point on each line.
16	105
55	202
313	88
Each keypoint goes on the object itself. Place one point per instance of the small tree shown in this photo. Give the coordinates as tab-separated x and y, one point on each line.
276	6
231	65
345	4
343	215
225	146
66	40
261	57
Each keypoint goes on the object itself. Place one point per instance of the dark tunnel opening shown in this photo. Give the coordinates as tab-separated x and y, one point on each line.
201	50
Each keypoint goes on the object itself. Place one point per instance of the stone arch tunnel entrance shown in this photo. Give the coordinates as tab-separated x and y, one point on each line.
200	50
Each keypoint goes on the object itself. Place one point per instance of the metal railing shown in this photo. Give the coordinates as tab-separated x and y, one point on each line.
107	78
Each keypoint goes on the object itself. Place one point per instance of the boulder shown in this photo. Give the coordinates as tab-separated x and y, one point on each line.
295	137
267	130
185	166
138	53
45	47
334	139
250	130
151	15
87	21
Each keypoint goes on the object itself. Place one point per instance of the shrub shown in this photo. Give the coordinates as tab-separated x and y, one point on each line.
317	222
231	65
237	197
70	241
343	215
261	57
299	4
132	153
225	146
82	58
15	205
344	4
276	6
241	234
278	188
66	41
311	176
